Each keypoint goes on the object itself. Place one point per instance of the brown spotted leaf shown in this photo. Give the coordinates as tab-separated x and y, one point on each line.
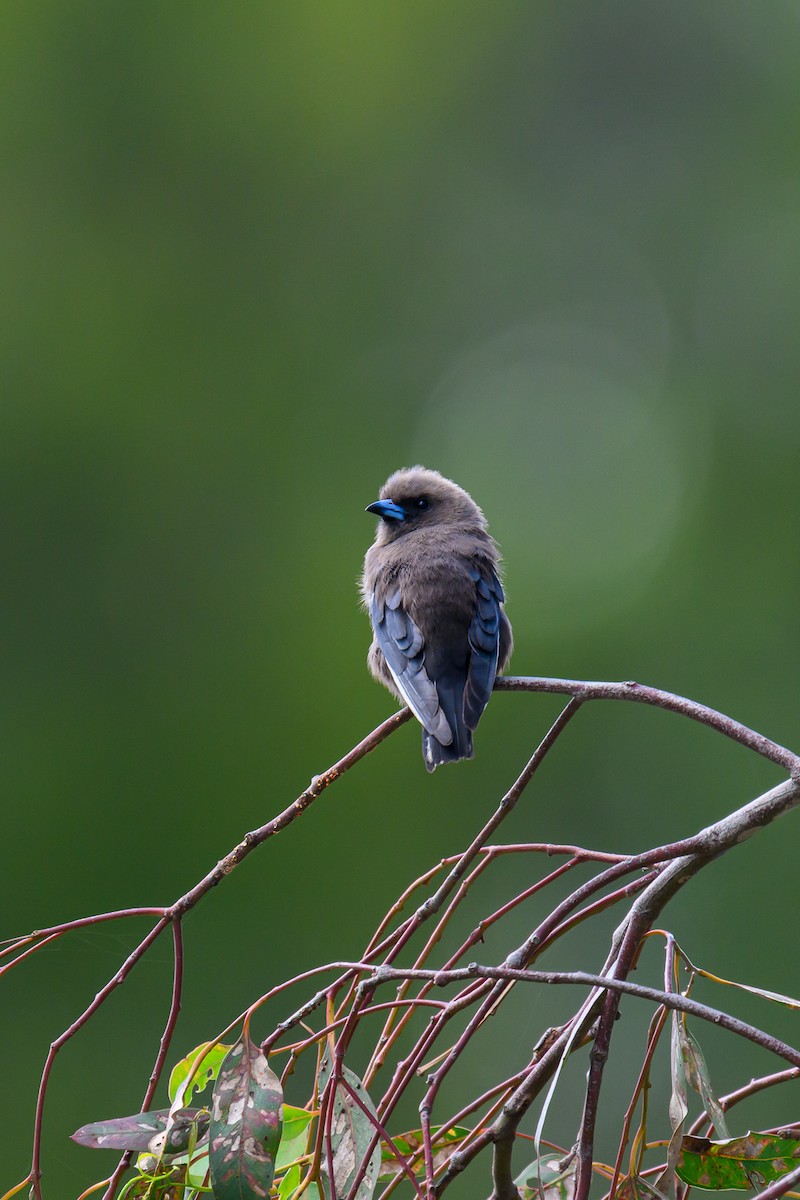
140	1131
351	1133
744	1162
245	1124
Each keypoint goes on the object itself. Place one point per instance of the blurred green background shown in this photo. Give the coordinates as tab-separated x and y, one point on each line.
255	257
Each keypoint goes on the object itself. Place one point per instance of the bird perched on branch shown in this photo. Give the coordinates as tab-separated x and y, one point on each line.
432	588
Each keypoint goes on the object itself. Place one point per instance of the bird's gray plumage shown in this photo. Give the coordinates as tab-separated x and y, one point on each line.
432	588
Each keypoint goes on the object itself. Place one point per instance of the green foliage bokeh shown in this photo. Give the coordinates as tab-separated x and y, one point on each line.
255	257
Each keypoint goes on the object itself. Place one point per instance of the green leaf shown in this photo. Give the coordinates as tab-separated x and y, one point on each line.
745	1162
162	1186
296	1120
290	1183
294	1138
208	1065
245	1124
140	1131
351	1133
197	1169
190	1169
547	1177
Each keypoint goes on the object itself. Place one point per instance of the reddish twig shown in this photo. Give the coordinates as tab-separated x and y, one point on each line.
431	906
183	905
78	1023
390	1142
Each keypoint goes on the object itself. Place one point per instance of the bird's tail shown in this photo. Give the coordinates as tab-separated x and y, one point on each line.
452	701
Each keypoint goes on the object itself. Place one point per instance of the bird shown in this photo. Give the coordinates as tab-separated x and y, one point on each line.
431	585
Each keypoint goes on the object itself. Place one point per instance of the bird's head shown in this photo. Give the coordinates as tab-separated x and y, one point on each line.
416	498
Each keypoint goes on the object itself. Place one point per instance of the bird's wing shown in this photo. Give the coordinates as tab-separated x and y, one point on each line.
403	648
484	641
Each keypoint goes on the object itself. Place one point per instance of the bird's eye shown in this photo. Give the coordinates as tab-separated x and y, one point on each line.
421	503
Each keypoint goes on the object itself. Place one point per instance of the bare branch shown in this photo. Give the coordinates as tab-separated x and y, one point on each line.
641	694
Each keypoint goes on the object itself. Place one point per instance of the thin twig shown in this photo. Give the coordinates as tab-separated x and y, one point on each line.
390	1142
183	905
477	935
315	789
657	1024
642	694
672	1000
434	903
78	1023
163	1049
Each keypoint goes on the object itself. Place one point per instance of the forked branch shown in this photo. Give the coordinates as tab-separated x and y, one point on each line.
646	881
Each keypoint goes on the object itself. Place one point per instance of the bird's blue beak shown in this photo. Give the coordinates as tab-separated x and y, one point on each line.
387	509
